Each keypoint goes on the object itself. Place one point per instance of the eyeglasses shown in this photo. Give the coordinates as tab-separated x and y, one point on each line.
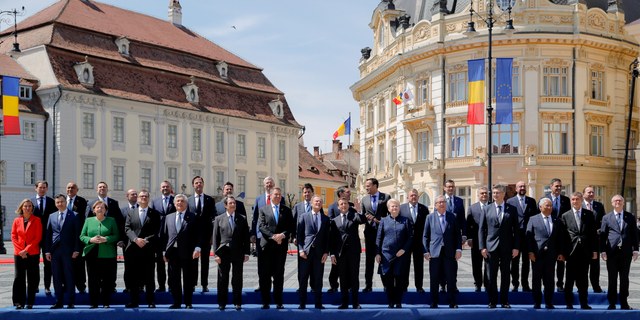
143	196
440	202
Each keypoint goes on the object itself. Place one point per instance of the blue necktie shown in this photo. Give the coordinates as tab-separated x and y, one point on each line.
275	213
413	213
450	204
179	222
442	222
546	220
60	220
308	207
556	206
374	203
166	204
70	203
231	221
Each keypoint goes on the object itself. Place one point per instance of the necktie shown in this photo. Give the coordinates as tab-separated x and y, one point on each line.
344	221
500	213
556	206
166	204
70	203
275	213
179	222
450	204
199	205
315	222
442	222
590	207
413	213
308	207
268	199
522	203
133	207
374	203
40	204
619	217
546	222
60	220
142	215
231	221
578	218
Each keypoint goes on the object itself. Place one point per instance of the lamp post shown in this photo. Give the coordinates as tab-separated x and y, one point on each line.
471	32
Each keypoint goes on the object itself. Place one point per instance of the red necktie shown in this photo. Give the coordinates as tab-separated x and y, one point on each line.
268	199
589	206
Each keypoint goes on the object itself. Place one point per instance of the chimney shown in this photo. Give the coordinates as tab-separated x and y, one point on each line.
316	151
175	13
336	144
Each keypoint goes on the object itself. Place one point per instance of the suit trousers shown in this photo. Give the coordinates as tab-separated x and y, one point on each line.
81	272
273	261
516	278
47	268
394	285
29	268
349	271
418	267
477	264
185	281
560	266
310	267
543	271
225	266
205	258
578	273
594	271
161	270
334	275
499	260
62	268
618	264
439	268
102	275
138	271
369	259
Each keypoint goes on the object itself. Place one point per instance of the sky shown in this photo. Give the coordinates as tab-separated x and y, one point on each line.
308	49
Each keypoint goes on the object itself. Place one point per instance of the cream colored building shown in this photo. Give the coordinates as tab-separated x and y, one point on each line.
570	99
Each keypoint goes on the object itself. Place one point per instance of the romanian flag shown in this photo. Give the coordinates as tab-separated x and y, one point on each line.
10	88
504	93
344	129
475	114
398	100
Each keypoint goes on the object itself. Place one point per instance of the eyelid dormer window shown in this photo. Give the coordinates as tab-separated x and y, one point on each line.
122	44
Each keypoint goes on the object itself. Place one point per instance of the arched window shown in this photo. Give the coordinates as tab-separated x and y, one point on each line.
425	200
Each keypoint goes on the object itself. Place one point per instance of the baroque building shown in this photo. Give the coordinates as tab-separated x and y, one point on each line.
571	89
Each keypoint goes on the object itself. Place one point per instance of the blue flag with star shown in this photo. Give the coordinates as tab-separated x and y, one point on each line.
504	101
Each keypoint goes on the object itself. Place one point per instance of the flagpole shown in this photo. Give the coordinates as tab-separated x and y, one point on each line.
349	160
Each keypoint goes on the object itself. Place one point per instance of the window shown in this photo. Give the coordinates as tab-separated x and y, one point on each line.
630	199
381	159
242	149
260	181
323	193
393	107
597	140
118	178
281	150
394	150
172	176
458	86
145	133
381	108
145	179
633	142
465	194
282	183
599	193
370	159
219	142
425	200
597	91
219	181
118	129
29	132
460	142
87	126
25	93
554	81
196	139
172	136
88	175
29	174
506	139
555	138
423	146
261	147
196	172
370	117
3	172
241	186
423	92
504	4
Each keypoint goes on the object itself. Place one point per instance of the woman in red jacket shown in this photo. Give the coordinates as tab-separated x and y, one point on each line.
26	234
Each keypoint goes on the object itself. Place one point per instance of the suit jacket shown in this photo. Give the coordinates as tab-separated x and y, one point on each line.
107	228
26	238
125	210
394	235
333	210
188	238
380	212
157	205
565	204
492	233
79	205
206	216
418	225
298	210
268	226
65	238
260	202
147	230
308	236
346	234
49	208
220	209
433	239
458	210
612	236
530	209
584	235
113	212
598	211
231	243
473	222
540	242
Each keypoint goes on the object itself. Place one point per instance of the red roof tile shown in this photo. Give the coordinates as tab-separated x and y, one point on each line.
10	67
313	168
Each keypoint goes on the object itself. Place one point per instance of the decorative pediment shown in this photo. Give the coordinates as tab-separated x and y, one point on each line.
598	118
191	91
84	71
556	62
597	66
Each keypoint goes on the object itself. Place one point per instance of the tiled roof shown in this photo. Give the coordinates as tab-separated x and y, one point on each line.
9	67
341	165
313	168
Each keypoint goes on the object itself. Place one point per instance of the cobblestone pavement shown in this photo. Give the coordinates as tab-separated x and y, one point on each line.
465	279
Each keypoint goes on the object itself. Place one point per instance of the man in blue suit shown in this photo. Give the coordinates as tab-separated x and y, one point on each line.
473	223
499	243
455	205
561	204
417	213
334	211
61	247
313	250
164	205
545	235
527	208
227	191
261	201
298	210
374	205
43	207
619	242
597	208
442	245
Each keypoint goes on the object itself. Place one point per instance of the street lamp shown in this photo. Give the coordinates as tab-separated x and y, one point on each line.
470	33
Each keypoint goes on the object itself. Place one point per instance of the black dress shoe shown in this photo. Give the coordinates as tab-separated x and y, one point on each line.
175	306
205	289
319	307
257	290
611	307
71	306
47	291
18	307
586	307
391	306
189	307
357	306
344	306
433	306
238	307
569	307
302	307
478	289
367	289
312	291
332	290
626	307
29	306
126	290
420	290
598	290
280	306
131	305
221	307
265	306
560	289
56	306
152	305
457	291
161	290
549	306
453	306
491	306
93	307
116	290
398	305
506	306
536	306
83	291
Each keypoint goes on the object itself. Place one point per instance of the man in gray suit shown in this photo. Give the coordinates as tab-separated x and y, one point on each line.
375	208
473	223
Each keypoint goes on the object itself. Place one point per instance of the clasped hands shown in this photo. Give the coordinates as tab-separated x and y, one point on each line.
278	238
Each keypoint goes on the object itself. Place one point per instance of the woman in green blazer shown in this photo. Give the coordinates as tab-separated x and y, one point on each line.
100	234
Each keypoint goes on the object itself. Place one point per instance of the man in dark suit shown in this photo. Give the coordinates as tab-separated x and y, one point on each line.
619	242
346	249
598	210
132	203
375	208
442	245
43	207
276	226
182	240
334	211
164	205
473	223
456	206
560	204
204	206
261	201
61	247
499	243
545	233
527	207
78	204
227	191
313	250
417	213
231	248
141	227
580	248
301	207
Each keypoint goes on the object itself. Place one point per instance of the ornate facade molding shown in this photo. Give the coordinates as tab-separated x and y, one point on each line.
598	118
181	114
556	116
172	153
146	164
456	121
81	99
196	156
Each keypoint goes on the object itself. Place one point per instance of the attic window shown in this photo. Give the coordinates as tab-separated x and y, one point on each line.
277	107
223	69
84	71
191	91
122	44
25	92
85	75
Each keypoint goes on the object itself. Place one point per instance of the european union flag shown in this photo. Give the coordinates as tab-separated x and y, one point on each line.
241	195
504	94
